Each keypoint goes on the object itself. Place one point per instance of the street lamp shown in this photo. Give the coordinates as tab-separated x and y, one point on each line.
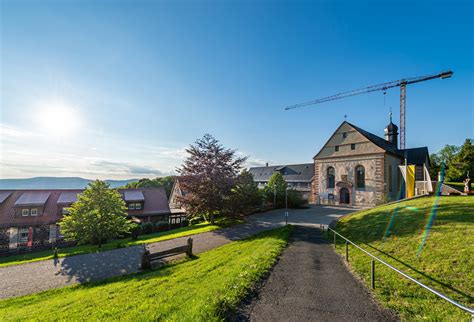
274	195
286	204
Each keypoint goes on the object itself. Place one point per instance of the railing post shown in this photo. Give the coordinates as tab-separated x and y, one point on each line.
347	251
372	274
334	233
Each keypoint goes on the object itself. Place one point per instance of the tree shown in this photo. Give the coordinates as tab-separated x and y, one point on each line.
245	194
446	154
461	163
97	215
435	166
208	175
165	182
277	184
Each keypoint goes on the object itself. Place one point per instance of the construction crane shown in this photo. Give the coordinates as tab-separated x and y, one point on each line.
402	83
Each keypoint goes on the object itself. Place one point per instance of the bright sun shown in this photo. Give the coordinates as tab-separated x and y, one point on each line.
58	119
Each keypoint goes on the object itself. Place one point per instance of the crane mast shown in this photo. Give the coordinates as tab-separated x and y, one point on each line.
402	83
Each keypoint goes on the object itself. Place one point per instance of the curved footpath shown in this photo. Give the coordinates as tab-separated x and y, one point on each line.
311	283
39	276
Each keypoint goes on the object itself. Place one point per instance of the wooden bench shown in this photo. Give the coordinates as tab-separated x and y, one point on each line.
148	257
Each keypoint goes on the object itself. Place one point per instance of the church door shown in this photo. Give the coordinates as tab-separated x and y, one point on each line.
344	196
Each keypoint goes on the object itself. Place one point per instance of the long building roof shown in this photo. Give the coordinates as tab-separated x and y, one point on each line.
291	173
155	203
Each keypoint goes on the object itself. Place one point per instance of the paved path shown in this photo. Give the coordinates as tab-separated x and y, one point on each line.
39	276
311	283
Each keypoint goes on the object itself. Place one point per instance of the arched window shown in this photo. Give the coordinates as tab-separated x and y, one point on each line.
331	176
390	178
360	177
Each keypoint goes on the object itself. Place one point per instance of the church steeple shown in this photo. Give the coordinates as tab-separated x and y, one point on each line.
391	132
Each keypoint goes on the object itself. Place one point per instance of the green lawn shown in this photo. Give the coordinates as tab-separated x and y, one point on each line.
445	262
202	289
84	249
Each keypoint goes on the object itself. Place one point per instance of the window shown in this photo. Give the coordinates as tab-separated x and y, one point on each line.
360	177
138	206
353	146
131	206
390	178
25	212
65	211
173	220
344	135
336	148
23	235
178	220
331	177
34	212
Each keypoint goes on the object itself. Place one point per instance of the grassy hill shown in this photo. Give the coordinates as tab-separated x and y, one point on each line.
202	289
445	262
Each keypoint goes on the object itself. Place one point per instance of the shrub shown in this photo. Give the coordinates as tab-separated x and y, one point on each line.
135	232
195	220
295	199
161	225
185	222
147	228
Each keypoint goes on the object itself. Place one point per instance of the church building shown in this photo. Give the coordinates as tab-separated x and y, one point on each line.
358	168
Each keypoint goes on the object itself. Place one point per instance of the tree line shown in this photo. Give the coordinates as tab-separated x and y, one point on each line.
457	162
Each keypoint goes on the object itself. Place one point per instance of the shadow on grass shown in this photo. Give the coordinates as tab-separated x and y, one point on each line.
467	296
407	221
97	271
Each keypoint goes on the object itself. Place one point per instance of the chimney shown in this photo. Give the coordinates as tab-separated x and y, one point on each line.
266	164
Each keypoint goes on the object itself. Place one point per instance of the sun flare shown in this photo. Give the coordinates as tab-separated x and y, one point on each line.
58	119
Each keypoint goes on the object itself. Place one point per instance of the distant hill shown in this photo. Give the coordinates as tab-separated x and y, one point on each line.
55	183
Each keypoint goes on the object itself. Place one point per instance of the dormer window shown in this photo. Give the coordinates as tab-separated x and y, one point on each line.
344	135
138	206
353	146
336	148
25	212
131	206
34	212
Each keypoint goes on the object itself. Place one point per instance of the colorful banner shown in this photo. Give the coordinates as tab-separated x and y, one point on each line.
410	179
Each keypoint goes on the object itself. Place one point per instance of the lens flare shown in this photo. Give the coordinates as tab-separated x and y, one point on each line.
394	213
433	212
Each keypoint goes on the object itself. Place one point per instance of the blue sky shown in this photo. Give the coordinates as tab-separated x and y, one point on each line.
118	89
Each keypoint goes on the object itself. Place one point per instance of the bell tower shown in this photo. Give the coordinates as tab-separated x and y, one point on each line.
391	132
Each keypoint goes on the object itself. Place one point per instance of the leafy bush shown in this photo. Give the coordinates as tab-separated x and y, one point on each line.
185	222
135	232
295	199
196	220
161	226
147	228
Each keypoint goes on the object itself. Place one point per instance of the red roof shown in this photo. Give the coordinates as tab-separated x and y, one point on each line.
156	203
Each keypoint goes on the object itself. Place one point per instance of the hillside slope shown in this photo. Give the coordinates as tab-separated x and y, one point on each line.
444	262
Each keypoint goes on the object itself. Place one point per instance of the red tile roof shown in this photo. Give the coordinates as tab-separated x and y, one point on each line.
156	203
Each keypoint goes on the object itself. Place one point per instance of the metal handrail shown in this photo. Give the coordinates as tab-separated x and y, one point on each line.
462	307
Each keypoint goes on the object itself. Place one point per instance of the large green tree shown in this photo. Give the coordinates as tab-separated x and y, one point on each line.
99	214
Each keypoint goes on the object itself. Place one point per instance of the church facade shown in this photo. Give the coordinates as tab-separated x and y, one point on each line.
358	168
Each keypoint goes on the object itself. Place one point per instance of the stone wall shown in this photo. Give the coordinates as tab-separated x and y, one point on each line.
345	172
